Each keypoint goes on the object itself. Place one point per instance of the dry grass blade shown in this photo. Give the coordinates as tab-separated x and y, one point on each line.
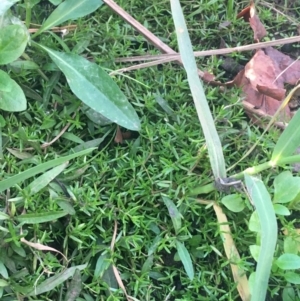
42	247
231	252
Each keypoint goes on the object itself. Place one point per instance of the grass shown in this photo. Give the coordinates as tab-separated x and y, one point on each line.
122	185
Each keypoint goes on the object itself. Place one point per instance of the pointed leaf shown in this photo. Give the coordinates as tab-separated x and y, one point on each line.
174	214
212	139
95	88
288	141
13	40
185	259
269	228
52	282
70	10
42	181
4	184
37	218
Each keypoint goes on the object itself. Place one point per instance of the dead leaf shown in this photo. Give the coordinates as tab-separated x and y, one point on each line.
119	136
261	85
275	93
249	15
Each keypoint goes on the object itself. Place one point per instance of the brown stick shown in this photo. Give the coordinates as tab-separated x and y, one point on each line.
145	32
162	58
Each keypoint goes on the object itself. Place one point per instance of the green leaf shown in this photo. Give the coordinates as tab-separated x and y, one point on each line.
13	40
254	223
3	216
74	287
290	245
281	210
42	181
255	250
286	187
7	183
288	294
233	202
185	259
102	265
174	214
56	280
147	265
37	218
288	262
292	277
288	141
3	270
12	98
5	5
70	10
212	139
100	92
3	283
269	229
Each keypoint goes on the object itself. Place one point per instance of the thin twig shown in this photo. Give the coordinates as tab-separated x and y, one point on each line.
163	58
145	32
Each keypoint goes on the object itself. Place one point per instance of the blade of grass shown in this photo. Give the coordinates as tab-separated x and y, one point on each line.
5	184
267	218
186	51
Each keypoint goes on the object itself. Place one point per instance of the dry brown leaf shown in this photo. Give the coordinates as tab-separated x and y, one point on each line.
41	247
261	85
233	255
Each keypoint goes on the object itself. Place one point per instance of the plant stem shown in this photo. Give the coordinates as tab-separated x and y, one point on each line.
28	13
250	171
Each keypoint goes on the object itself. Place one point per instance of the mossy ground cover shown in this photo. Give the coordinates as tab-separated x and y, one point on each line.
119	188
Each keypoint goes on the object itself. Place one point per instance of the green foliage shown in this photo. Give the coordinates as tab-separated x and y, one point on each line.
69	222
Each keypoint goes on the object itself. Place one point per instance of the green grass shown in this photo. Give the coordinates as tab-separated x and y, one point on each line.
124	184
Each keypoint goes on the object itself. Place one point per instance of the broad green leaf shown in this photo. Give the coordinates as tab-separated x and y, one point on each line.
185	259
269	229
43	217
290	245
174	214
74	287
55	2
292	277
288	141
286	187
52	282
288	294
288	262
212	139
13	40
7	183
95	88
12	98
233	202
103	262
43	180
281	210
5	5
70	10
